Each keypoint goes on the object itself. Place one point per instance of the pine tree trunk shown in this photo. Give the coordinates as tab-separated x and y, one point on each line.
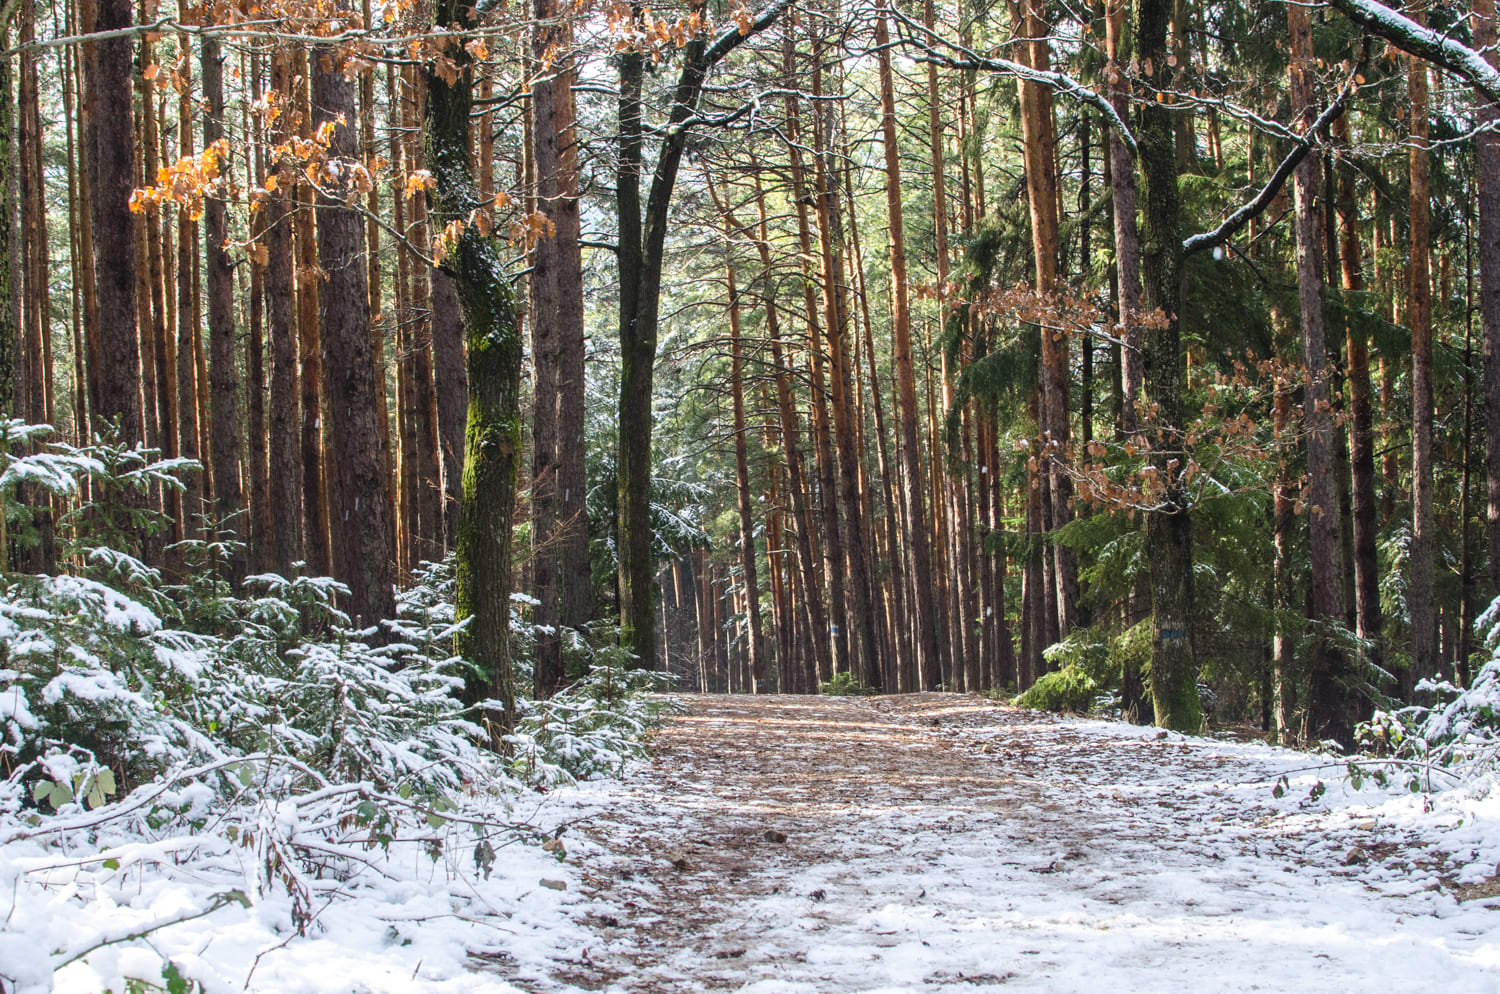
837	660
362	533
896	643
110	137
1419	596
1327	706
10	325
862	642
1169	533
792	456
1040	139
315	518
1127	237
557	350
160	333
929	654
284	457
494	344
756	650
1487	178
1361	419
427	536
1284	676
229	496
186	378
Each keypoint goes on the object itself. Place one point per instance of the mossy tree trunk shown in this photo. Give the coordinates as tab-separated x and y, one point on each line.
492	332
642	251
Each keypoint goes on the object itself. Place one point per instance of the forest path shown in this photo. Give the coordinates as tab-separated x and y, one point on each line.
941	841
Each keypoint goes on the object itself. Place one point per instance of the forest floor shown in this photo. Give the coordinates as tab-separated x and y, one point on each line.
911	843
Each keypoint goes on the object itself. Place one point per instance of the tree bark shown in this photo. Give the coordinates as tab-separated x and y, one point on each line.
110	137
837	660
188	428
284	458
863	649
1127	235
1368	621
642	245
1169	532
1487	177
229	494
1327	706
1039	132
451	382
929	655
559	520
493	337
750	579
1419	597
362	533
316	536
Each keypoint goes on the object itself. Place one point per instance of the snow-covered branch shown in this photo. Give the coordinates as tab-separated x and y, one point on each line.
1414	39
1252	209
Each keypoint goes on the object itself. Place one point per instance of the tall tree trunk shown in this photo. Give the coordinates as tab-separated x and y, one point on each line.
229	495
363	541
894	647
451	381
575	582
930	659
110	137
427	536
1487	154
558	518
1284	676
1169	531
10	245
285	459
1040	140
158	353
1327	707
756	650
188	428
1127	237
315	524
1419	596
837	660
642	247
1361	418
791	453
862	642
493	338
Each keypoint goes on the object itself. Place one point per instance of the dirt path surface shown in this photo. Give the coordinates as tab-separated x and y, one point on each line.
930	842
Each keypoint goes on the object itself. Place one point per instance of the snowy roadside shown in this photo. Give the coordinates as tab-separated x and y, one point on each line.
417	917
806	845
941	841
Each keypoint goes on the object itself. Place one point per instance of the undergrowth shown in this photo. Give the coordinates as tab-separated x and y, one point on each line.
248	743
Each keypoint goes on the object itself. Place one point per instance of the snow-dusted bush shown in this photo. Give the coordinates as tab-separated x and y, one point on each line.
595	726
1455	740
247	744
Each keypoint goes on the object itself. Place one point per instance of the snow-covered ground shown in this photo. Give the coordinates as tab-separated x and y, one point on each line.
837	845
418	918
941	841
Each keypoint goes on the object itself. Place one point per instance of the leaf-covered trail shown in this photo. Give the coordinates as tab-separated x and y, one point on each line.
940	841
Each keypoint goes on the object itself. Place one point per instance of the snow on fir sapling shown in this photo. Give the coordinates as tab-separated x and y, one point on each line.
206	787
